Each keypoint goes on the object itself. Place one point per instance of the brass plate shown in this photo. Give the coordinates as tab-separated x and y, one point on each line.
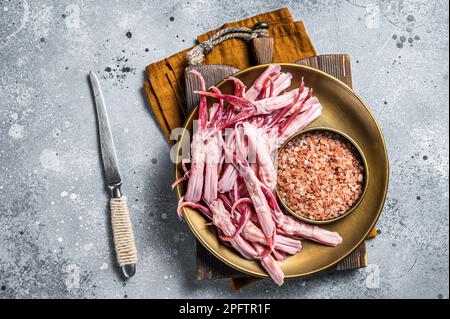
345	112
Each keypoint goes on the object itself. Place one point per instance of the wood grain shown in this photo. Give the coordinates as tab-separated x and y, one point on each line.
337	65
263	50
212	73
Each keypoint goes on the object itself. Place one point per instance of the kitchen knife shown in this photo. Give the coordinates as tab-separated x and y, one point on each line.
124	243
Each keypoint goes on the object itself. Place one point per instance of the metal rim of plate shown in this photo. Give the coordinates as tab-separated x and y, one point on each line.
219	250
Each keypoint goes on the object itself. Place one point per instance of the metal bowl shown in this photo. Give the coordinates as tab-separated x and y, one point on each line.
361	156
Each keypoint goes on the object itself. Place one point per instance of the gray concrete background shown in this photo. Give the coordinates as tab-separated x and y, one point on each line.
54	234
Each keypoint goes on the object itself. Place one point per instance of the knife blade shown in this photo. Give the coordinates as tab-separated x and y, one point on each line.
108	150
124	242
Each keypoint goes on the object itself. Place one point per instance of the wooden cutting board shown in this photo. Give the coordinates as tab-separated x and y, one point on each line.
337	65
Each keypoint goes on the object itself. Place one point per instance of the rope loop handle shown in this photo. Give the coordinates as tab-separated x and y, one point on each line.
124	242
196	56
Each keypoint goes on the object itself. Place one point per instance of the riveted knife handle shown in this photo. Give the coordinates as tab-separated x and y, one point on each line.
124	242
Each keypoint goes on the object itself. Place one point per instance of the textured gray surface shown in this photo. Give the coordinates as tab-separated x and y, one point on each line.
54	238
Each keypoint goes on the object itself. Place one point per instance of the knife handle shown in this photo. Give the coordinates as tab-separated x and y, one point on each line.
123	236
